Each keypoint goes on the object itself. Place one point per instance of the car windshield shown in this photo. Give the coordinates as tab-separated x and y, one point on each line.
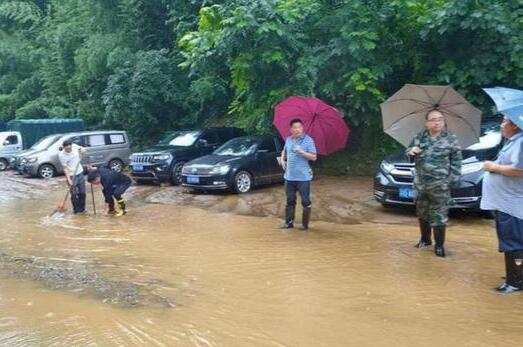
181	138
45	142
237	147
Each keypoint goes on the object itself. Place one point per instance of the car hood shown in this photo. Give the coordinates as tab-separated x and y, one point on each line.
214	159
29	152
164	149
400	158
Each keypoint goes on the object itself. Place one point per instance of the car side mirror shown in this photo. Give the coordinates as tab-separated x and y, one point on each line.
7	143
202	143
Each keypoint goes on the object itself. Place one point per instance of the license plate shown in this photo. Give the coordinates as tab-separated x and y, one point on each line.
407	193
193	179
137	167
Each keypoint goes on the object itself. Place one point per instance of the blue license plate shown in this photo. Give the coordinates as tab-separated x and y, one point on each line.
407	193
137	167
193	179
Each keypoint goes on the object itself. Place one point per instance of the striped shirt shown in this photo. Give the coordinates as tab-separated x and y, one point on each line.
504	193
298	168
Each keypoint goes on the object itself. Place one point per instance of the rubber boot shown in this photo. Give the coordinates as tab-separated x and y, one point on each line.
111	211
439	237
290	211
121	211
514	273
306	217
425	231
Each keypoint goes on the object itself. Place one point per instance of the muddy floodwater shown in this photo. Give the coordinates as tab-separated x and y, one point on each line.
186	269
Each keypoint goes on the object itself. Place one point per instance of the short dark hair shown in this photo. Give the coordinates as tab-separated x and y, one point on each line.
93	175
295	120
67	142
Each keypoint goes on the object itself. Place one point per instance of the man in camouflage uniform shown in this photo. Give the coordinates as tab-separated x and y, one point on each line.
437	156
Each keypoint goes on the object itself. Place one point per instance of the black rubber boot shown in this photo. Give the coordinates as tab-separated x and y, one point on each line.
439	237
514	273
122	211
111	211
425	231
290	212
306	217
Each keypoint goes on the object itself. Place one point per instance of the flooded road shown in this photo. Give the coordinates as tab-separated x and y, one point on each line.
199	270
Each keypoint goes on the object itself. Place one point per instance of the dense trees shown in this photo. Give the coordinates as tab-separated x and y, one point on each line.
152	65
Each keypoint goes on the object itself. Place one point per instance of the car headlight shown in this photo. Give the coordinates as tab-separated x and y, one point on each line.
220	169
32	160
386	167
162	157
472	167
23	161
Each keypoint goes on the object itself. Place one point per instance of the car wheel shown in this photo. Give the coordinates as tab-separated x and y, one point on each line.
3	164
116	165
176	175
242	182
46	171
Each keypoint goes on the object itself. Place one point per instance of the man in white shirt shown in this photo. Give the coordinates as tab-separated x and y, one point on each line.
70	158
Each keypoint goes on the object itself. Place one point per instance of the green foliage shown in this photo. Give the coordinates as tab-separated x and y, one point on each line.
152	65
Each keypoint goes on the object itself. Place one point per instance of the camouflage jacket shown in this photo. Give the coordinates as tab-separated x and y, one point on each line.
439	163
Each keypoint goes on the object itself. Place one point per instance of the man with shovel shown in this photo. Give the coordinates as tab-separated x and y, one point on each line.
70	157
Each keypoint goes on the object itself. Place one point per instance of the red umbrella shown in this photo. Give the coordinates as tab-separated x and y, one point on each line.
322	122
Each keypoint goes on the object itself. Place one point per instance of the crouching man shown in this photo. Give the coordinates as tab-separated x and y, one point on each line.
114	184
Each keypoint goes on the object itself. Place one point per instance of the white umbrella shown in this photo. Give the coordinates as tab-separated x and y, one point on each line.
404	113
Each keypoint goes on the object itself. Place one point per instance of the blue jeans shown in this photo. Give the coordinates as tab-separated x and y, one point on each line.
303	187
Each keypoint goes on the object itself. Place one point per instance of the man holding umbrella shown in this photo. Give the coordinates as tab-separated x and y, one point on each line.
441	121
437	156
503	187
298	151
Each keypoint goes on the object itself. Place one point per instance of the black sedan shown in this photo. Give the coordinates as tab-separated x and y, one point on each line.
239	165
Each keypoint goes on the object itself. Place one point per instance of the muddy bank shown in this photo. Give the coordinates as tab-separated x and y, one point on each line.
83	279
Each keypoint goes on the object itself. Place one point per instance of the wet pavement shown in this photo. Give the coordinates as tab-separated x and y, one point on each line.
185	269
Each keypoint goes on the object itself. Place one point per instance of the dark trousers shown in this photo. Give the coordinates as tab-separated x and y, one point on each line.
78	193
118	190
293	187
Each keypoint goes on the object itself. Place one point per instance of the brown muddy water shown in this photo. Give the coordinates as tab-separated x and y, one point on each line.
199	270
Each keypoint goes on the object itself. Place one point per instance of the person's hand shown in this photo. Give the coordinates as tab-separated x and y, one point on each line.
490	166
284	164
414	151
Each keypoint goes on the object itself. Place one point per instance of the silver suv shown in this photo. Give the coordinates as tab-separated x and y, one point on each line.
104	148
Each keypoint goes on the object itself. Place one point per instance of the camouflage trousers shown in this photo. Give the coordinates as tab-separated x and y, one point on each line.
433	204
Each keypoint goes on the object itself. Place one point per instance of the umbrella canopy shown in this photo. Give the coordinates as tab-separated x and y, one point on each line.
404	113
509	102
322	122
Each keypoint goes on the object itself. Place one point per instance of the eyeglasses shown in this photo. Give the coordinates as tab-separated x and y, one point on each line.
435	120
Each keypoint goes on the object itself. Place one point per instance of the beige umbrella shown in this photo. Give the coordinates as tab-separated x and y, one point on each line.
404	113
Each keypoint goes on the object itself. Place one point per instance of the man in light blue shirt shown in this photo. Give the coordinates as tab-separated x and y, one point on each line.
298	151
503	194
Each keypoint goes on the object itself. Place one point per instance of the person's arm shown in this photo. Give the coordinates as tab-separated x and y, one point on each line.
505	170
413	149
309	152
284	159
456	158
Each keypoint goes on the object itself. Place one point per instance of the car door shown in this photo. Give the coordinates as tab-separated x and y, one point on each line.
12	144
267	159
97	149
210	136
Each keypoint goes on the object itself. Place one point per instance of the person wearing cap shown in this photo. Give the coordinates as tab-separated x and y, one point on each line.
70	157
502	193
114	184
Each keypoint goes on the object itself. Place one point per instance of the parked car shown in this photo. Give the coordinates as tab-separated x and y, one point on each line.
393	183
104	148
164	161
23	133
239	165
